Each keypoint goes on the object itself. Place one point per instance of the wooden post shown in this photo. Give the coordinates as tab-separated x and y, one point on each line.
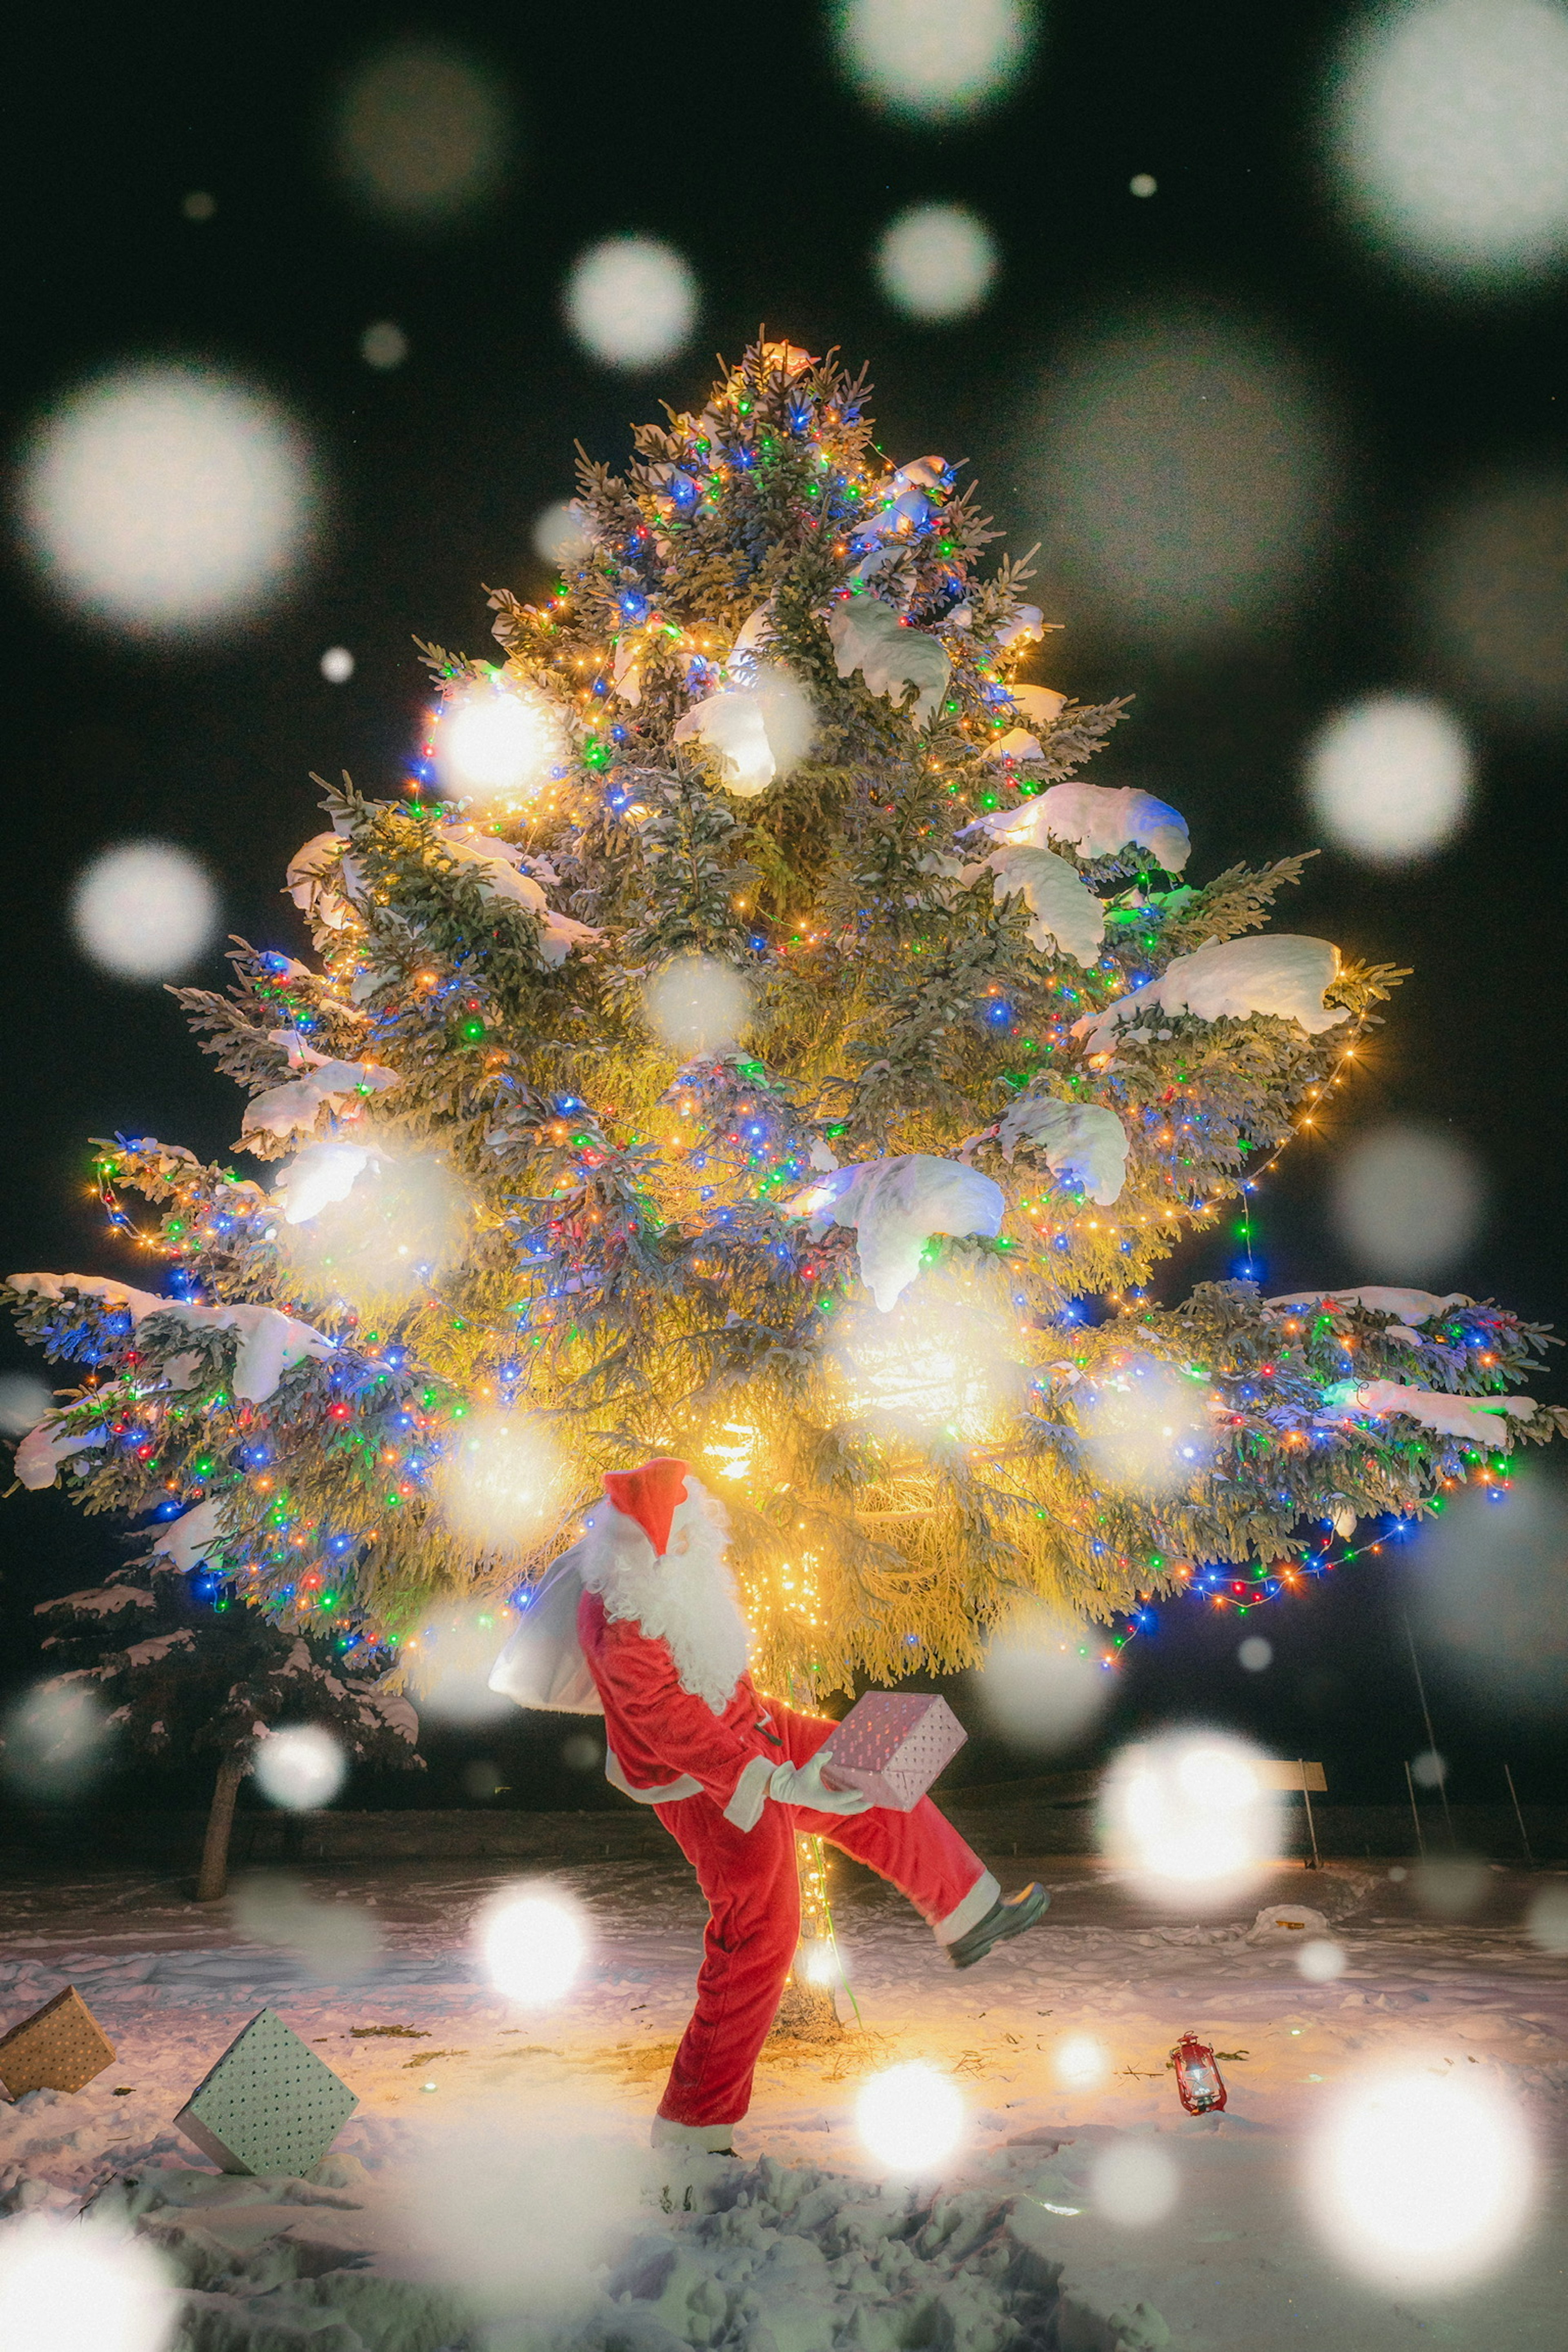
1415	1814
1519	1817
1312	1825
213	1884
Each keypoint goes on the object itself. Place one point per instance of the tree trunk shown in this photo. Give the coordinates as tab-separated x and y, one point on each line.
807	2012
213	1884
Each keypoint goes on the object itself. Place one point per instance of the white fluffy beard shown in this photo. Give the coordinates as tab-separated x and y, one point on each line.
687	1599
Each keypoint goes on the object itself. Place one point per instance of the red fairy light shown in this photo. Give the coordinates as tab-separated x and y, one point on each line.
1197	2075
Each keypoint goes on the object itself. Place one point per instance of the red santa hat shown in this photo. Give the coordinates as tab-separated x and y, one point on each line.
650	1496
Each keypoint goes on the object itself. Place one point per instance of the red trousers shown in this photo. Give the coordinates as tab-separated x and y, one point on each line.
753	1903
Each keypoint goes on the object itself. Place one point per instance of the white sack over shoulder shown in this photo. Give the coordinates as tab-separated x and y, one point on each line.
542	1666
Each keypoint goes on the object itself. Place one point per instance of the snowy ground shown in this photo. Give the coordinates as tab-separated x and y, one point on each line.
494	2188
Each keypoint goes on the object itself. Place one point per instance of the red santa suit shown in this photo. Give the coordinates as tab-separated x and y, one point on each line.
662	1639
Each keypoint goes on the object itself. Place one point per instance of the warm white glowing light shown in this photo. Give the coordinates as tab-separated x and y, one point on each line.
1180	466
1133	2184
497	740
503	1482
423	133
300	1767
404	1221
946	1360
1449	130
1146	1426
1190	1815
82	2285
533	1947
1409	1200
631	301
144	910
1320	1959
1043	1683
733	1446
166	501
910	2117
1389	778
934	60
696	1004
560	534
1255	1653
1421	2179
56	1742
1080	2062
936	262
337	664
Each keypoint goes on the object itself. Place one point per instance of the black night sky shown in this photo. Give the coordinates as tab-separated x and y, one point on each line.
728	135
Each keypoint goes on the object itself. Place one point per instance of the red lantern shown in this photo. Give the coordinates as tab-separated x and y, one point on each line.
1197	2077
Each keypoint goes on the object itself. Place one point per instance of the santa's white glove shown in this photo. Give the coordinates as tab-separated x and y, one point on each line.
802	1784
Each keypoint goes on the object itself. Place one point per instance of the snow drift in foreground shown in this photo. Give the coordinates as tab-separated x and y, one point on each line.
761	2257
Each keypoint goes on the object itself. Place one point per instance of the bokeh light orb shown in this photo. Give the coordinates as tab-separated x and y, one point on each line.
1043	1685
1147	1428
56	1743
404	1221
631	301
383	345
144	909
497	740
1255	1655
1189	1816
1407	1201
945	1361
1320	1960
533	1945
164	501
1389	778
1421	2179
1490	584
560	534
694	1005
936	262
337	664
24	1402
910	2117
1546	1921
300	1767
1079	2062
1179	468
1448	134
933	61
1489	1592
423	133
1133	2184
503	1482
83	2285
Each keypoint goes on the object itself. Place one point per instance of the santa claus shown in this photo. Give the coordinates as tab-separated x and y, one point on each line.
639	1622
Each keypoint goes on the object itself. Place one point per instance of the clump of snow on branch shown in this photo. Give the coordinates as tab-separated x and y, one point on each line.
501	877
868	636
187	1541
1408	1307
758	731
1064	913
895	1206
1082	1144
1097	820
296	1105
270	1342
1278	972
1474	1421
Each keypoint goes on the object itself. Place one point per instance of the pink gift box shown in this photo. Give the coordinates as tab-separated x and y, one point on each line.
892	1745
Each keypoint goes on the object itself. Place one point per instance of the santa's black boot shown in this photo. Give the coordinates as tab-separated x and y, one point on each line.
1009	1915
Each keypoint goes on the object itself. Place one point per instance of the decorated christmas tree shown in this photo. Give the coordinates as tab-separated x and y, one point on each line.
748	1036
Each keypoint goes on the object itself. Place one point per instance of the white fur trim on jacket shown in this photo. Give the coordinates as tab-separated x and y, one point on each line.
687	1599
744	1810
